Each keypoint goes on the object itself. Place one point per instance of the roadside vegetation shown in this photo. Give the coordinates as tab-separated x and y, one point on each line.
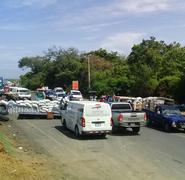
153	68
17	164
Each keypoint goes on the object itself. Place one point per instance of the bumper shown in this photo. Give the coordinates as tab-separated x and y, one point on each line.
96	132
179	126
131	124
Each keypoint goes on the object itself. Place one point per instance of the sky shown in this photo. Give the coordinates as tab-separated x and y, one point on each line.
30	27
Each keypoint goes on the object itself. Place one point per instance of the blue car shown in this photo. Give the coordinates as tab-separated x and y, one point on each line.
168	117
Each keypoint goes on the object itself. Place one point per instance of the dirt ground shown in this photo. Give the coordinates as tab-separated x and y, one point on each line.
17	163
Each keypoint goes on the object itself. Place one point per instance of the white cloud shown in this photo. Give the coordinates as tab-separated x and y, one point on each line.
37	3
138	6
16	27
122	42
91	18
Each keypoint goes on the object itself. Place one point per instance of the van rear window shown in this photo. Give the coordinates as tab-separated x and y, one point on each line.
97	110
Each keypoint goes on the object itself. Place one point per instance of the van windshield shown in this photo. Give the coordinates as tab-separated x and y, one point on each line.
97	110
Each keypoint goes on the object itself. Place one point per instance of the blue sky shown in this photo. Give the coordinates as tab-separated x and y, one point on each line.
30	27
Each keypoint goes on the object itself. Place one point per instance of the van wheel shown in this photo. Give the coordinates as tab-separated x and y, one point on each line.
64	123
103	135
135	130
77	134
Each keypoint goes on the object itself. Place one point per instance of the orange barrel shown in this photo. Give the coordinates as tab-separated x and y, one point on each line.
50	115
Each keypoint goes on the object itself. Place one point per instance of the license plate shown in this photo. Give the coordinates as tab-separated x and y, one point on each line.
97	124
132	124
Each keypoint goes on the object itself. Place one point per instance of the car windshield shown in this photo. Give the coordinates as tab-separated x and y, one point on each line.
59	90
24	91
121	106
171	111
61	95
76	93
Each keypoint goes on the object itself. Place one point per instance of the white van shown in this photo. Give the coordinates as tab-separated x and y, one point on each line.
87	117
20	93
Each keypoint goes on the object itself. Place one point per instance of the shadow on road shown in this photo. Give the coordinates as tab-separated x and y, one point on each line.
71	135
124	132
158	128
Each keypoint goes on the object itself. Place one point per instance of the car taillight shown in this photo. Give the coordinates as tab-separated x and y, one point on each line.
83	121
120	117
145	117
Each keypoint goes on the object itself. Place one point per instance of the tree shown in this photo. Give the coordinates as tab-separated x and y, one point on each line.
156	67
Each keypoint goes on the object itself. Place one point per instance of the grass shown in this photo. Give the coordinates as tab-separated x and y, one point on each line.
8	147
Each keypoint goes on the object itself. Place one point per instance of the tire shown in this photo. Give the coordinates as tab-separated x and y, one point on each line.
64	123
114	128
77	134
135	130
167	127
103	135
148	123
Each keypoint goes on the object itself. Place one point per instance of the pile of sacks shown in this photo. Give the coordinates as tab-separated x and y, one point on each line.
41	106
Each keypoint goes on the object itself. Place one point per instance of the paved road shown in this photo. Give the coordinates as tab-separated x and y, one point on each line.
151	155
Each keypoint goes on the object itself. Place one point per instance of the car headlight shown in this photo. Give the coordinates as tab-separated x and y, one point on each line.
174	124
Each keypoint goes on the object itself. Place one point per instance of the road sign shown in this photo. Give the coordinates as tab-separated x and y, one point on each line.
75	85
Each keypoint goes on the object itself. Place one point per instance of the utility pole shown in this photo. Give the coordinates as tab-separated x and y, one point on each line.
89	72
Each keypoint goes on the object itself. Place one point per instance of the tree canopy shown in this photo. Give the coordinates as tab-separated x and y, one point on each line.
153	68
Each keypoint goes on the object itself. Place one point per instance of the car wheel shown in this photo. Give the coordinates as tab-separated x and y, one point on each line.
167	127
114	128
148	123
64	123
135	130
77	134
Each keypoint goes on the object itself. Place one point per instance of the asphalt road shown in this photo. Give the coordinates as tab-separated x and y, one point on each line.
153	154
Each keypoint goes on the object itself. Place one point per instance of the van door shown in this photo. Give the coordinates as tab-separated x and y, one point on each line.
67	116
97	117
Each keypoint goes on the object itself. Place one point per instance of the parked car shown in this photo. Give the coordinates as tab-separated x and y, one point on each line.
49	94
59	95
124	117
58	89
19	93
93	95
87	117
75	95
166	116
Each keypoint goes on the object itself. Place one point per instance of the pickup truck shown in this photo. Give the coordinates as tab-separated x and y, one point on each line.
123	116
168	117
